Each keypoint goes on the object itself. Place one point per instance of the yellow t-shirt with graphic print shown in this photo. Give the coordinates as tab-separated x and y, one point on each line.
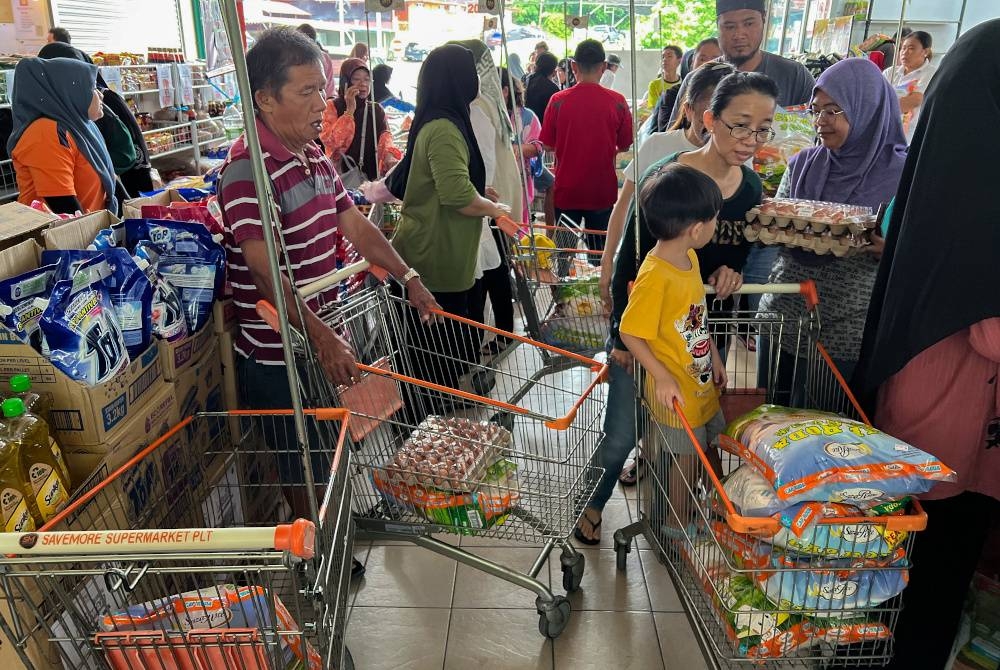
666	308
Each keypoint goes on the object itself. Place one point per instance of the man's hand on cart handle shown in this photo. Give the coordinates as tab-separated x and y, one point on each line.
726	282
421	299
335	354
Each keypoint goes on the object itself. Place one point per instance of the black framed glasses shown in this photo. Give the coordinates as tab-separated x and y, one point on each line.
762	136
817	115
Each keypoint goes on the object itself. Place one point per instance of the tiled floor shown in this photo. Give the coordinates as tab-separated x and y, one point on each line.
415	610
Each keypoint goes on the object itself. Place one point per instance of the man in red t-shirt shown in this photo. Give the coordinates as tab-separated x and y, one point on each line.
587	125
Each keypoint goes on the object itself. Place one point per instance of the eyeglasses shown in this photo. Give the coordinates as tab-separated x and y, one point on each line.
817	114
762	136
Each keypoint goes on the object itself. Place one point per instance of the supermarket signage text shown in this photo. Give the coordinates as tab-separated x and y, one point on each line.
127	537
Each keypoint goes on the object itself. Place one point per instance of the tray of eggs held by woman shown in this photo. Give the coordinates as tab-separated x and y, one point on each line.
820	227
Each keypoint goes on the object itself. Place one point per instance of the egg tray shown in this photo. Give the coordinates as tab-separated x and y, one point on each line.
854	225
820	244
448	454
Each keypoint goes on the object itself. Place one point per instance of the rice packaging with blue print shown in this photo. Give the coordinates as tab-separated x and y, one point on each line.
130	289
22	302
81	328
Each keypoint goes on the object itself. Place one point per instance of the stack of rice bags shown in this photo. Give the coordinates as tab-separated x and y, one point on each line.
813	582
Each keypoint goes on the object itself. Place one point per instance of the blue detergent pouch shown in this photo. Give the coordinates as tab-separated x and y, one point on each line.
193	261
18	309
130	289
109	238
169	322
81	327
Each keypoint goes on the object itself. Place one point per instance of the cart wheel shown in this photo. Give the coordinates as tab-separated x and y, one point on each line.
572	569
348	660
504	419
552	619
622	549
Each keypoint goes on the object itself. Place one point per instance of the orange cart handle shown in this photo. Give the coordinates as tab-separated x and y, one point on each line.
807	289
298	538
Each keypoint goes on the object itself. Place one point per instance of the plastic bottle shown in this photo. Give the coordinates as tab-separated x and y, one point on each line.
41	406
29	435
15	514
232	119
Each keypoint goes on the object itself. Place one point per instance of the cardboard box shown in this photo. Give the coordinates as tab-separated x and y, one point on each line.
78	233
224	316
199	388
176	357
19	223
132	209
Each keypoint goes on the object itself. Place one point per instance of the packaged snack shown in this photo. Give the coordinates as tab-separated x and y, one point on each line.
19	311
81	328
130	289
192	260
167	312
758	630
816	456
219	607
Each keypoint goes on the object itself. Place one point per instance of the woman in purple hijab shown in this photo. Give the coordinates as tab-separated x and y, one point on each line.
859	161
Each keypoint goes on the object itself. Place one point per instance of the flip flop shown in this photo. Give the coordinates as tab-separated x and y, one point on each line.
632	472
580	537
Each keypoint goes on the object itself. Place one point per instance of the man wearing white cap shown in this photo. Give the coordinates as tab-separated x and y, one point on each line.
741	31
614	63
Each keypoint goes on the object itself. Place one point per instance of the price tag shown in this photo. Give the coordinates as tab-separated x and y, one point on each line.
113	78
165	80
185	87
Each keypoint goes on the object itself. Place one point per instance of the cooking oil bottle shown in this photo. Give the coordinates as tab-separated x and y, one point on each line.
41	406
14	493
29	435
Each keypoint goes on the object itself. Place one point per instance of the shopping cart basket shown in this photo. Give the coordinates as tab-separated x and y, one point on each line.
526	439
720	563
183	558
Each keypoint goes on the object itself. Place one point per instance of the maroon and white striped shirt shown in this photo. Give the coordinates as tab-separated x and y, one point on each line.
309	199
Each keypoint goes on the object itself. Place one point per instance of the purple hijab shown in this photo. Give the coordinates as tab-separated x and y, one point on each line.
866	170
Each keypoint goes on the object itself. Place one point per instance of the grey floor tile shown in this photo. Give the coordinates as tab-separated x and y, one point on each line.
406	577
604	588
678	643
619	640
388	638
486	639
662	594
478	590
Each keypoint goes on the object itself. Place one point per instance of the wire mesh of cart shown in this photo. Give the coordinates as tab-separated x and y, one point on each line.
556	276
447	443
757	595
185	557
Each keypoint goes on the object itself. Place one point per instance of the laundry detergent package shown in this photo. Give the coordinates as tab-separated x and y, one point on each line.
192	261
20	308
169	322
82	335
817	456
219	608
130	289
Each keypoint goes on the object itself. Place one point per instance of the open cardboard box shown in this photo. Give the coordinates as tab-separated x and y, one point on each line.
19	223
132	209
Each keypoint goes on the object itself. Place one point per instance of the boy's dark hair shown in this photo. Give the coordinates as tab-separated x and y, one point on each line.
740	83
589	55
274	52
60	35
676	49
307	30
676	197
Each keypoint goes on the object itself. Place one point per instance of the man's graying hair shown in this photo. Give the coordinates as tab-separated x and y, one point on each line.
274	52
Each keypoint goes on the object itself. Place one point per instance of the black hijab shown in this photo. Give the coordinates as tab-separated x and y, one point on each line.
380	78
447	85
364	107
938	274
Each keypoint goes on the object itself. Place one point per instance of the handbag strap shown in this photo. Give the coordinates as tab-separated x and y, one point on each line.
364	134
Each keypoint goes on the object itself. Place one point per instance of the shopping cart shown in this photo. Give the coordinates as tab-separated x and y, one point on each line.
533	436
719	561
185	557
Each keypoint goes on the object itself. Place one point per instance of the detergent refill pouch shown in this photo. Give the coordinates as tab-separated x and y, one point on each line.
81	327
19	311
193	262
130	289
169	322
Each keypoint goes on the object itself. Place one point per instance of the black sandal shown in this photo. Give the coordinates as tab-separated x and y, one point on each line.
357	569
580	537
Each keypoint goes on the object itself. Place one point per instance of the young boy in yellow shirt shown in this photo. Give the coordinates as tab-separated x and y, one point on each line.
665	327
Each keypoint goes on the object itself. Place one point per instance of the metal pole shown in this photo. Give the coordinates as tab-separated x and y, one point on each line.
899	32
784	27
268	215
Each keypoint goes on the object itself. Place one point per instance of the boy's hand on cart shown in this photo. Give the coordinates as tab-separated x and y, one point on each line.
622	358
719	374
336	357
421	299
726	282
668	390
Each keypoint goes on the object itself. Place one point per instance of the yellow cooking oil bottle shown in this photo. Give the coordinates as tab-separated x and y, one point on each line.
49	490
14	492
41	406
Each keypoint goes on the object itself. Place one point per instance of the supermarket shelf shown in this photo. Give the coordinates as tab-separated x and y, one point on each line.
205	143
171	152
143	92
176	126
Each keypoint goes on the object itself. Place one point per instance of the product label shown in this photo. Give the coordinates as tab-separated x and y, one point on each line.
16	518
57	454
50	496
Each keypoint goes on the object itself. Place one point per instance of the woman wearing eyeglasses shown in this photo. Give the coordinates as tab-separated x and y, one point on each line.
859	162
737	121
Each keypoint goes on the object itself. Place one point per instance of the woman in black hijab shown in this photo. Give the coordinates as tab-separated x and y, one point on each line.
930	359
381	74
